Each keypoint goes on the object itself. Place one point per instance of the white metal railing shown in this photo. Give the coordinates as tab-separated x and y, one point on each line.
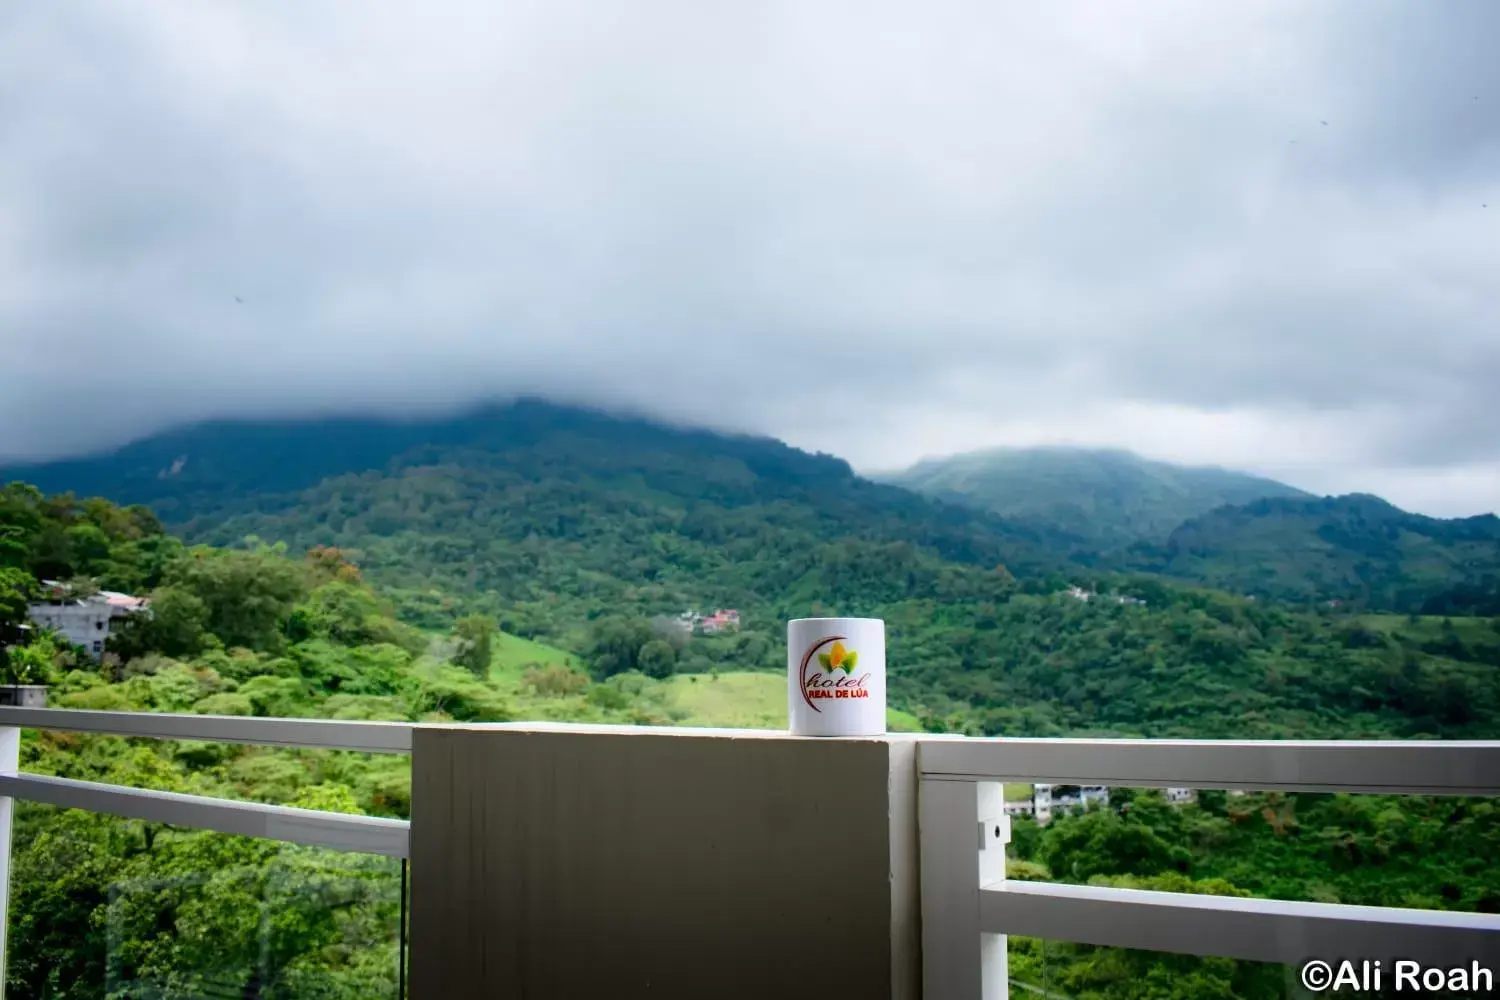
968	907
307	734
354	834
357	834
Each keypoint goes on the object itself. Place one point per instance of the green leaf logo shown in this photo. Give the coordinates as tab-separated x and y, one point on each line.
850	658
823	659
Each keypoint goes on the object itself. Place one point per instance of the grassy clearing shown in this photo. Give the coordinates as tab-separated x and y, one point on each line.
1427	628
746	700
513	654
738	699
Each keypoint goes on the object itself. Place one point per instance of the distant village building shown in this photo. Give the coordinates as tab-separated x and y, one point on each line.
82	621
1047	799
1041	798
722	620
1078	593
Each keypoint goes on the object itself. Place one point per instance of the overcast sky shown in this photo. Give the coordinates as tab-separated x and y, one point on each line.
1248	233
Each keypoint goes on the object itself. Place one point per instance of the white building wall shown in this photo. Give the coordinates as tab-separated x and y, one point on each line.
1041	797
85	624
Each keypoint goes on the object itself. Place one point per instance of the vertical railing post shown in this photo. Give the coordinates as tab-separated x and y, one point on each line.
10	762
994	835
963	832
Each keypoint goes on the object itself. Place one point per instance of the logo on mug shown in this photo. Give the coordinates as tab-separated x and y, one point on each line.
834	678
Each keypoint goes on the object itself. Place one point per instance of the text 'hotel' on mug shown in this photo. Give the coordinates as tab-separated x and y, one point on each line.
836	676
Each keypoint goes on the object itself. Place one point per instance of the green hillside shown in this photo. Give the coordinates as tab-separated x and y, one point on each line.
1356	549
1228	530
1108	497
582	531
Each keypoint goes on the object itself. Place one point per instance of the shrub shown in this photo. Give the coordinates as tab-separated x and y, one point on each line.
554	681
225	703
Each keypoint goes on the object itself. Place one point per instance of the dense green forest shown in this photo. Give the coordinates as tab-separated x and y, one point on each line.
1229	530
522	566
1356	549
1111	498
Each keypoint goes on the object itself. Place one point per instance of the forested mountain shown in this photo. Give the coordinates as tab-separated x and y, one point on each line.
1107	496
547	469
1228	530
1354	548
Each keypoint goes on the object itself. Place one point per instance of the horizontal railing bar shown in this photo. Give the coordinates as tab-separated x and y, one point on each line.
1261	930
354	834
325	734
1388	766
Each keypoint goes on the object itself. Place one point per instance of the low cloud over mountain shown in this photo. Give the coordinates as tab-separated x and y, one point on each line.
1261	235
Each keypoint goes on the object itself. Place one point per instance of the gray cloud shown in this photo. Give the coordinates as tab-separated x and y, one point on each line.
866	231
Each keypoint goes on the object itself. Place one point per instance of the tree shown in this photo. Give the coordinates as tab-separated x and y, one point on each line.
330	563
36	662
248	595
1100	842
88	549
752	649
13	549
16	590
175	623
475	635
656	659
614	645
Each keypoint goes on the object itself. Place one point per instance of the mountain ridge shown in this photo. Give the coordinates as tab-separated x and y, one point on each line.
1110	496
532	473
1357	547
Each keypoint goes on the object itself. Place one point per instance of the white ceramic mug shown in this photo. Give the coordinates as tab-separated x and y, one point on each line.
835	676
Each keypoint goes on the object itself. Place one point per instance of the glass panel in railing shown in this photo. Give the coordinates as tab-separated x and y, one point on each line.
1422	852
111	908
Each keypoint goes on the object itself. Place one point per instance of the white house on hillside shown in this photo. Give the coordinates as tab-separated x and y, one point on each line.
84	622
